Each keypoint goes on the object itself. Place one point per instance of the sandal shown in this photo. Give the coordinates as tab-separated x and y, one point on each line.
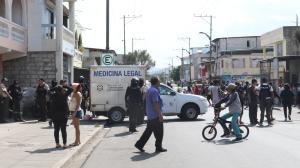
74	144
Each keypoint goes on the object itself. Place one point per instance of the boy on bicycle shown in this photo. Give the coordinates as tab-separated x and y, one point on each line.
233	102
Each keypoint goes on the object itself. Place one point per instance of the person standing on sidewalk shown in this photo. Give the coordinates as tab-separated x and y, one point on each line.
60	112
287	97
252	102
155	118
265	101
41	94
74	107
16	92
4	101
133	99
142	112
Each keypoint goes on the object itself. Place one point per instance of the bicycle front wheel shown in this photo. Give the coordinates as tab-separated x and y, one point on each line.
244	131
209	132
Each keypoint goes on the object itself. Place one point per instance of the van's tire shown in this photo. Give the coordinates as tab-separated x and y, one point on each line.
190	112
116	115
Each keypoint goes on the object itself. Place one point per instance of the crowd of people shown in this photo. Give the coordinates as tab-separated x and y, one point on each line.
58	102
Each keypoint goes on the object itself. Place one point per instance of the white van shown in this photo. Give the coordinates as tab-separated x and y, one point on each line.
108	86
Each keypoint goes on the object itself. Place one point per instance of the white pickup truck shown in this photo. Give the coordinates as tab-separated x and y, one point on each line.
108	86
185	106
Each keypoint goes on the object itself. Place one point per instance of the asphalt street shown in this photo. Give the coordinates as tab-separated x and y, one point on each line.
266	147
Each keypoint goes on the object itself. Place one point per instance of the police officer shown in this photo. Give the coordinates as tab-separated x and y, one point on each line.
16	93
133	100
85	94
4	100
41	93
265	101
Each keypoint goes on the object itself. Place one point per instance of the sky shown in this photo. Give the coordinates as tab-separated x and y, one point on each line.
163	23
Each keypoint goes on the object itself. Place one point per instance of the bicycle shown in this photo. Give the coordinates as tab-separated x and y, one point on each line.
209	132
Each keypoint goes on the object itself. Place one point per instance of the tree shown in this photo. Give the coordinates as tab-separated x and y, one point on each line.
80	43
139	58
175	74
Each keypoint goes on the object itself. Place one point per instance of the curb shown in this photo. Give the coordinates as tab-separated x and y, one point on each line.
79	149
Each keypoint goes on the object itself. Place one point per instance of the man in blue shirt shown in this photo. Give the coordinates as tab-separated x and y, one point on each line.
155	118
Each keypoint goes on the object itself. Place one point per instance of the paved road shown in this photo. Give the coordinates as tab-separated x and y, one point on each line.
267	147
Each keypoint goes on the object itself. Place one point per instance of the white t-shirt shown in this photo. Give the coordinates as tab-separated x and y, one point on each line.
73	102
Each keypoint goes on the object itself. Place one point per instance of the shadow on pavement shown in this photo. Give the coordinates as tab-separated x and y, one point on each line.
122	134
30	122
226	142
46	150
180	120
143	156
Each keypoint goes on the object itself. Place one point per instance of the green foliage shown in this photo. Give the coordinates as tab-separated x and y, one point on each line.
139	58
175	74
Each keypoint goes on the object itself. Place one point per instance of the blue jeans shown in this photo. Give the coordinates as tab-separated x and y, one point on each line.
235	127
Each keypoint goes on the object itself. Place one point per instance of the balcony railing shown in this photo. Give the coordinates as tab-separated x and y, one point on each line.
49	33
12	36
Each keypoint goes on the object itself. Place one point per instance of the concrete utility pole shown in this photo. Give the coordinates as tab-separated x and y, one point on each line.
107	25
190	55
210	43
132	43
124	24
297	20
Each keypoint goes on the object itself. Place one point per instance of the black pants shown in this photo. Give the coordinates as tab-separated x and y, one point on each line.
157	128
4	103
42	107
253	113
265	105
60	125
83	106
17	114
285	106
133	116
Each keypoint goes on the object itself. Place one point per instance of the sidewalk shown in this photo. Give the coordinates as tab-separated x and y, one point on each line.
31	144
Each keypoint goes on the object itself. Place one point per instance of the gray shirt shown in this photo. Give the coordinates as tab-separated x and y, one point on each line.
234	103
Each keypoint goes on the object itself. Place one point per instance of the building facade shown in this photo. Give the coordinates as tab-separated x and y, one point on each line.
37	40
283	66
237	58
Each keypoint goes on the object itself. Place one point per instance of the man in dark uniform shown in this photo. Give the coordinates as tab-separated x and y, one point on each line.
85	94
4	101
16	93
133	100
252	101
41	93
265	101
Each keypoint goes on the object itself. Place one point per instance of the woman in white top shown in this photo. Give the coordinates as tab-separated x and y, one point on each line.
76	112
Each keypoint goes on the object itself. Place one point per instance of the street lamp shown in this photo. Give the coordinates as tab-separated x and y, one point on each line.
209	37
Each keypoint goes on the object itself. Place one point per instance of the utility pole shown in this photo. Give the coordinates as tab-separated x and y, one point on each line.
124	22
297	20
190	55
210	44
132	43
107	25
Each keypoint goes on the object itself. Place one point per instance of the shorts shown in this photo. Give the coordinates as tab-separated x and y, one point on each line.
78	114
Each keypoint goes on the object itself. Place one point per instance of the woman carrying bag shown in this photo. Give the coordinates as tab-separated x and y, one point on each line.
74	107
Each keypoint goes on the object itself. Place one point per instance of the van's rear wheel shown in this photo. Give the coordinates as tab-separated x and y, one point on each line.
116	115
190	112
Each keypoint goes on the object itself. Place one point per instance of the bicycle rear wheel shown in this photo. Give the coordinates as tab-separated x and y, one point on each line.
209	132
244	131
